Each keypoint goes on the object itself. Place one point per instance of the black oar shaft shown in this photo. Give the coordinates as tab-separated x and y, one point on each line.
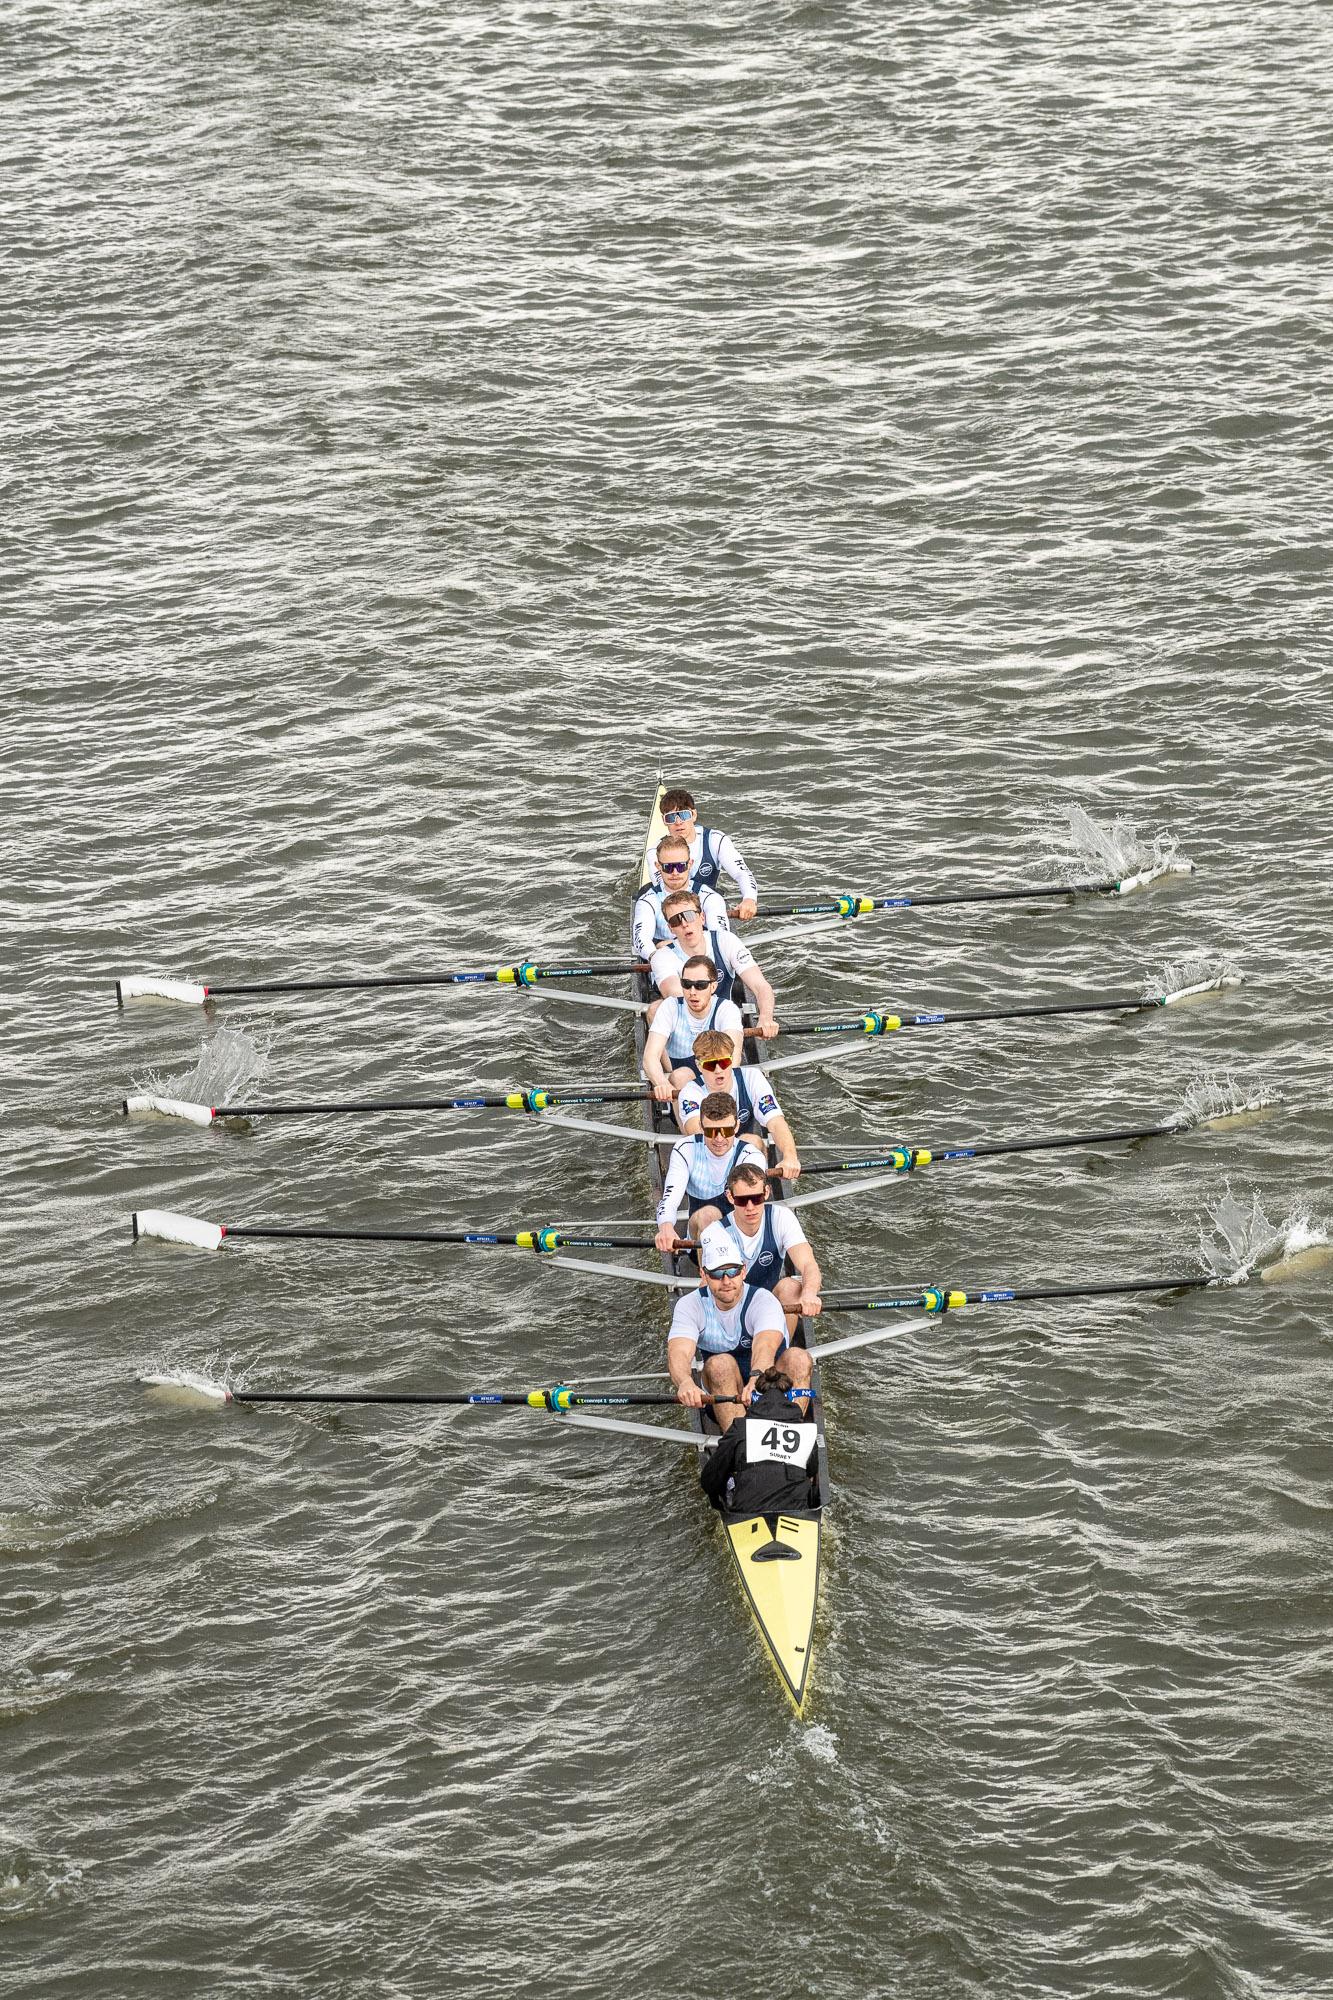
855	906
935	1155
540	1399
531	1239
877	1023
529	1100
503	975
928	1301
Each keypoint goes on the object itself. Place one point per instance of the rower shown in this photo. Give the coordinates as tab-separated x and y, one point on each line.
757	1109
738	1329
698	1170
769	1238
676	1025
684	917
672	872
711	852
772	1469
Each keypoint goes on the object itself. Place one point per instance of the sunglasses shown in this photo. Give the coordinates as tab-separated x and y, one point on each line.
718	1131
748	1200
711	1062
674	819
725	1271
681	917
697	986
674	867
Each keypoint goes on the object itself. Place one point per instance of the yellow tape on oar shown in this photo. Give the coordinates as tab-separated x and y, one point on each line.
549	1399
855	906
539	1239
517	975
880	1024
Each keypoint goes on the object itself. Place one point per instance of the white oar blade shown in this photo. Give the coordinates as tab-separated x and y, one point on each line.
185	1390
169	1228
1147	875
167	1107
659	1433
872	1334
1218	985
184	991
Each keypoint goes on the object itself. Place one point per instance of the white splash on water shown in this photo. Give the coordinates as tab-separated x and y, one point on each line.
1219	1097
1237	1240
1196	970
1077	844
228	1064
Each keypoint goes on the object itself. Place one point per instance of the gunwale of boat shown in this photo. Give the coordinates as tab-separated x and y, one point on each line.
656	1120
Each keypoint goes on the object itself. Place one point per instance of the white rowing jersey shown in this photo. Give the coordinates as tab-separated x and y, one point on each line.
697	1318
692	1170
748	1086
778	1218
650	926
681	1028
713	853
723	947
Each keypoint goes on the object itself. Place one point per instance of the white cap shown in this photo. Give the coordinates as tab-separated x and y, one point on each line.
718	1247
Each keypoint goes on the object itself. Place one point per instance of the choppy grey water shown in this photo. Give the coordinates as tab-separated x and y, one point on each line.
899	422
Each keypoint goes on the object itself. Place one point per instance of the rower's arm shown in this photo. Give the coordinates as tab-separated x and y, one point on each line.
645	929
680	1353
778	1128
729	857
653	1050
763	999
810	1275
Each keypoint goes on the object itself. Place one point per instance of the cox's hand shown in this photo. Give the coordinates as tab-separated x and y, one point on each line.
745	908
691	1395
747	1393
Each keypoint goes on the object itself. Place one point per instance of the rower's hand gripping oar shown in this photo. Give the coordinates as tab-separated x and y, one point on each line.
187	992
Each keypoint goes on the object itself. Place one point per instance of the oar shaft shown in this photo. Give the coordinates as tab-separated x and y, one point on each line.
527	1239
502	975
514	1100
860	906
934	1155
916	1301
886	1023
537	1399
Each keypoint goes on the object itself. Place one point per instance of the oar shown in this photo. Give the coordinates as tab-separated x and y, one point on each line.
513	1100
941	1299
138	987
903	1159
199	1235
568	1405
861	906
1110	1003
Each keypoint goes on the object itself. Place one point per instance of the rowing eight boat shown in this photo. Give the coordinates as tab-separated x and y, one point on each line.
777	1558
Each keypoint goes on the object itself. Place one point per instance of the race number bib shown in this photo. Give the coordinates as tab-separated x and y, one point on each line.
769	1442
